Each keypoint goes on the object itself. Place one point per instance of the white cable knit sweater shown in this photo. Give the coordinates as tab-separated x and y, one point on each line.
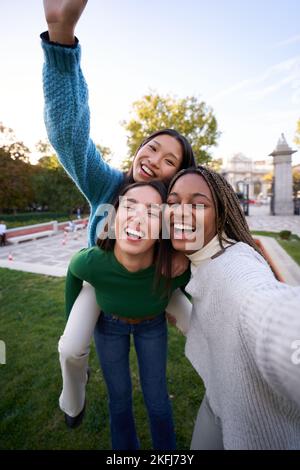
243	325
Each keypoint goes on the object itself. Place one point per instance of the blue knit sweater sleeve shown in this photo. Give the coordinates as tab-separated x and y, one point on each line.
67	120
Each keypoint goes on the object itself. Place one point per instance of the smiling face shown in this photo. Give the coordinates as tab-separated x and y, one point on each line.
138	220
188	195
159	159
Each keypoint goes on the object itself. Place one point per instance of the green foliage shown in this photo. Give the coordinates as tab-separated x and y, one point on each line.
54	188
25	216
15	185
24	186
49	163
105	152
297	136
189	116
215	164
291	246
36	217
285	234
296	182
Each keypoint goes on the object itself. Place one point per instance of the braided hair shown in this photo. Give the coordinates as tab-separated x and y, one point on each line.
230	218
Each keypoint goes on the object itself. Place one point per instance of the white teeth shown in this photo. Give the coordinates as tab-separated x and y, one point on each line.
134	233
147	170
183	227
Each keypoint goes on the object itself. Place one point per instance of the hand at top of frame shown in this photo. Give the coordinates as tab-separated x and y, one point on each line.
62	17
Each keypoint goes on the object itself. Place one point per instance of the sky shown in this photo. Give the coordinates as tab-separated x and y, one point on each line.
242	57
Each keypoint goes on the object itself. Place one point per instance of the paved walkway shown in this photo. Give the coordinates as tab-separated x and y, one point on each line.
260	219
51	256
286	266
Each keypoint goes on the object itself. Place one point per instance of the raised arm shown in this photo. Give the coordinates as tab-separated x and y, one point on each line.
66	113
270	321
62	17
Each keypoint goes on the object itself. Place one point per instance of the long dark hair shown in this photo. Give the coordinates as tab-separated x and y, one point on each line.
188	158
230	218
163	248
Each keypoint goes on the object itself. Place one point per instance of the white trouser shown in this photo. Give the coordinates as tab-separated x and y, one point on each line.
74	348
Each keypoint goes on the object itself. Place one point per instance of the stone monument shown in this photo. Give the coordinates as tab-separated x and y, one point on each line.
283	180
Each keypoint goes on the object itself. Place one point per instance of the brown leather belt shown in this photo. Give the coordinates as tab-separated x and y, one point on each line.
133	321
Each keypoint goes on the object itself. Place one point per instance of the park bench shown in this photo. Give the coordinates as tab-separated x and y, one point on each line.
30	236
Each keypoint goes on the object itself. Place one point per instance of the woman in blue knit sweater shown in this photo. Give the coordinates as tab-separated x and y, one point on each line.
67	120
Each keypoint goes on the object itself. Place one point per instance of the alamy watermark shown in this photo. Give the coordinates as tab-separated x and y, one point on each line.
296	354
2	352
178	221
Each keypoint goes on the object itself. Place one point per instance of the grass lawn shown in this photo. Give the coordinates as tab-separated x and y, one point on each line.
35	219
31	321
292	246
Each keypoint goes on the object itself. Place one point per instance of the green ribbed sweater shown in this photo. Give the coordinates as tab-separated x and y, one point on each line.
118	291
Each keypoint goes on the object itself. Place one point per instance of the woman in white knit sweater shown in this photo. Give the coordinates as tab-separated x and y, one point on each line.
244	334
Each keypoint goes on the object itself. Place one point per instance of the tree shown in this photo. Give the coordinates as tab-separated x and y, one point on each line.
192	118
215	164
15	148
52	185
7	135
49	163
296	182
297	136
268	178
105	152
15	172
45	184
16	191
19	151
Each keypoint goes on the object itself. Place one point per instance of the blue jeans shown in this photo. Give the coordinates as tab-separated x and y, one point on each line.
112	337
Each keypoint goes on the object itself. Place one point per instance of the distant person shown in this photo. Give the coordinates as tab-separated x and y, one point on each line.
2	233
71	226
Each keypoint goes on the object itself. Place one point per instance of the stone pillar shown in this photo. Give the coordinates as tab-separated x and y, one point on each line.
283	180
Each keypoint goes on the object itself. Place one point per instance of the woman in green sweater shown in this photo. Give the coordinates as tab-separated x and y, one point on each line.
125	272
67	120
